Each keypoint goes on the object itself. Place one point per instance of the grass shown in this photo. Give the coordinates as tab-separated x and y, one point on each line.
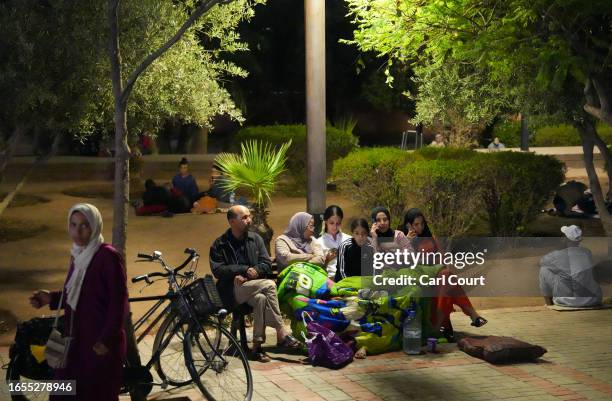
16	229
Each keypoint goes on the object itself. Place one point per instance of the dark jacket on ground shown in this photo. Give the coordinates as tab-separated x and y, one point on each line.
224	263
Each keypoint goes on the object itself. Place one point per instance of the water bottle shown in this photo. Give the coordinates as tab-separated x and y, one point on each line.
232	198
412	334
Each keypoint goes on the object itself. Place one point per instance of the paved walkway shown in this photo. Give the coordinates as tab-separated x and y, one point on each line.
578	366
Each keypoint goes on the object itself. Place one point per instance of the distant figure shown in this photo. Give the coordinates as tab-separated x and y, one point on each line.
438	141
216	189
185	183
496	145
566	276
574	199
155	199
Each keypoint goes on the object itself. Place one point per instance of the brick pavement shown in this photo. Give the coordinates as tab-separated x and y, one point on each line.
578	366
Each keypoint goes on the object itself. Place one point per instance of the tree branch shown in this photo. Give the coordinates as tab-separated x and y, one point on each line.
201	10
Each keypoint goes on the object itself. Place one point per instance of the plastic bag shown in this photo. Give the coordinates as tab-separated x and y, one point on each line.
325	348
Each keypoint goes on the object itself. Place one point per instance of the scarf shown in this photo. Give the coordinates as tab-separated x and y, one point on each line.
296	228
381	209
82	255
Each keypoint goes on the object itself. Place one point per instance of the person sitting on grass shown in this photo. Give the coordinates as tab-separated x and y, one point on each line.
185	183
155	199
566	275
240	263
332	237
417	230
297	243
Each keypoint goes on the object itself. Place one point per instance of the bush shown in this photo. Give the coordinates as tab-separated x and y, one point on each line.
566	135
338	144
516	186
446	153
368	177
508	132
446	191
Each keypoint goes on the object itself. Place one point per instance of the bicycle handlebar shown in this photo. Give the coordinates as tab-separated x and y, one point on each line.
192	255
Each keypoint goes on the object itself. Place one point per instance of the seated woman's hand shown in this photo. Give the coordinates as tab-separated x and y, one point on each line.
100	349
40	298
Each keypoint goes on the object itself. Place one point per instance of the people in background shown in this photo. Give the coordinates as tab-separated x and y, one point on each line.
384	238
332	237
447	296
185	183
155	199
95	300
566	275
240	262
496	145
438	141
574	199
297	243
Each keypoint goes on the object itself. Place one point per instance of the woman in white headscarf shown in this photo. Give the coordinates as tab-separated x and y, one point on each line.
95	301
297	244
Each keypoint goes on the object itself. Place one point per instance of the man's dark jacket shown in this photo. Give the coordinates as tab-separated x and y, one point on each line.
224	263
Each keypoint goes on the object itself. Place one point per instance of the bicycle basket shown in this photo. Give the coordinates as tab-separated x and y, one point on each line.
202	296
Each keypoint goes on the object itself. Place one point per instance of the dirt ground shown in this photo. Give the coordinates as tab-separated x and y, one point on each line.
41	260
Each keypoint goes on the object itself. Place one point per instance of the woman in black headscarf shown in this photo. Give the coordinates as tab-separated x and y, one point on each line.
384	238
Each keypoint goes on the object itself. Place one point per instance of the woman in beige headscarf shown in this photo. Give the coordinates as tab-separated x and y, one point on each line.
95	300
297	243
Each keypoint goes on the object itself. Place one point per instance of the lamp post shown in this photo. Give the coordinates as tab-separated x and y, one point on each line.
314	15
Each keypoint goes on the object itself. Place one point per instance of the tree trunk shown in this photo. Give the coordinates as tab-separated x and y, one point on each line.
199	140
607	156
5	157
588	134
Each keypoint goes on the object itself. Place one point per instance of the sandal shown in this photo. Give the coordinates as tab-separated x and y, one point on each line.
259	356
479	321
290	342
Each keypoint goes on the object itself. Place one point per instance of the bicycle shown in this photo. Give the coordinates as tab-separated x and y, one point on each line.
214	360
192	328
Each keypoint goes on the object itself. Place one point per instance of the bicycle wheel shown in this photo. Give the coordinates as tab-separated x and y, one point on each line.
170	365
218	364
12	373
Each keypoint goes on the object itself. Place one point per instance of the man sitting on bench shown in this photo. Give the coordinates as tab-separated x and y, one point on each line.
240	262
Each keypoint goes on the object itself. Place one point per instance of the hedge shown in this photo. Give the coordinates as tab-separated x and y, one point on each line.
447	191
338	144
509	133
452	187
516	186
367	176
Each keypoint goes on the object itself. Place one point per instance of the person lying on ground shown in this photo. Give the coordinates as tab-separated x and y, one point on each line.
297	243
566	275
240	262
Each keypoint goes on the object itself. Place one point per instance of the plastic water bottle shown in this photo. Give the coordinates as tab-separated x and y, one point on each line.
412	334
232	198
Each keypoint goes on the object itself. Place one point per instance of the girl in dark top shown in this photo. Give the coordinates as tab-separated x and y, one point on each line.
352	251
384	238
417	230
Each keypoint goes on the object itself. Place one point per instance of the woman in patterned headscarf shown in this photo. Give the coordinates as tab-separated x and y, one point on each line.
95	300
297	243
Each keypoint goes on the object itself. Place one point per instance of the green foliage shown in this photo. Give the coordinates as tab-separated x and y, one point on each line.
368	177
56	69
567	135
461	99
338	144
452	185
508	132
256	168
446	153
515	187
446	190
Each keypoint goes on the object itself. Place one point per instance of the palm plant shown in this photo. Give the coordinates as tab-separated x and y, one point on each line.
256	169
